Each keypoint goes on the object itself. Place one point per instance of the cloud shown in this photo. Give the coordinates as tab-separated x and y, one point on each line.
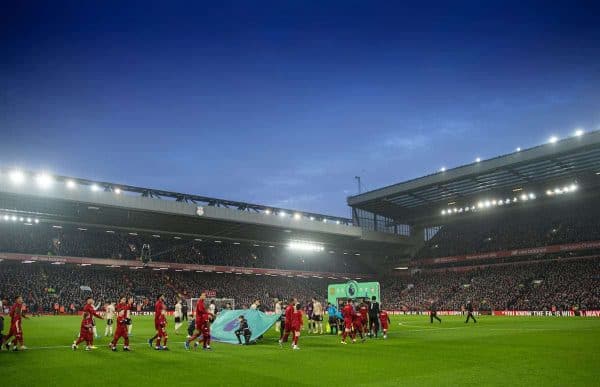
406	143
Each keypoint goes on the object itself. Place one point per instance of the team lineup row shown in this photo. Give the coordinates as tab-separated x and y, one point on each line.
363	319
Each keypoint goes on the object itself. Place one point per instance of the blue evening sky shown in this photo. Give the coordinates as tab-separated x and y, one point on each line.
284	102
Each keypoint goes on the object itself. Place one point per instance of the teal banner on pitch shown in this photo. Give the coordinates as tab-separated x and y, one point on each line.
223	328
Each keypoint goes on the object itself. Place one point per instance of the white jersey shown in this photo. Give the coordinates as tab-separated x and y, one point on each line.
110	312
212	308
178	312
278	308
317	308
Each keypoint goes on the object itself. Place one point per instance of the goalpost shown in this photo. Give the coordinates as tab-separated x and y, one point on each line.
219	302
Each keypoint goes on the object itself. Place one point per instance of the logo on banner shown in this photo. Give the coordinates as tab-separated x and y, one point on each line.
352	288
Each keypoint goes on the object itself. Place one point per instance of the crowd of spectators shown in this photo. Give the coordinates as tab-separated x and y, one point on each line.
502	229
43	285
94	243
560	284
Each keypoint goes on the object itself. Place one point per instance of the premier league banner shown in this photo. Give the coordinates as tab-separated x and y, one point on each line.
227	322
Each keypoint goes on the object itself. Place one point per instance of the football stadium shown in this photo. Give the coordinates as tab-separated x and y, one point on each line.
299	193
474	271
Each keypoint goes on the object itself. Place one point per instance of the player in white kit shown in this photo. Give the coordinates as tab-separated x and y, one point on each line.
109	316
178	314
318	316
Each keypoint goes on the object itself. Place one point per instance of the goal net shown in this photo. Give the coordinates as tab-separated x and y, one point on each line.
220	303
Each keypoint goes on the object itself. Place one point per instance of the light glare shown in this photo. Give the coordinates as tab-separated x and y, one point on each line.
305	246
17	177
44	181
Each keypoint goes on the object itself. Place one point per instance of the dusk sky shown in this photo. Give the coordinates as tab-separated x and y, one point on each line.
282	103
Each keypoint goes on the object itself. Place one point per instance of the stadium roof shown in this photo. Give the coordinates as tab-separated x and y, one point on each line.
571	160
62	200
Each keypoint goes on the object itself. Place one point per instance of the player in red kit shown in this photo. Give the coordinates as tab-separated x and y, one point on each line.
202	327
358	325
364	315
348	315
297	322
86	333
162	332
289	314
123	314
89	308
384	319
159	306
16	314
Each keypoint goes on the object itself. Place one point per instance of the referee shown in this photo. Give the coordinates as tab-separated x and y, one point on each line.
470	312
433	313
374	316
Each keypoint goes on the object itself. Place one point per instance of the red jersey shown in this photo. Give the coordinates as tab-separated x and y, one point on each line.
200	310
357	319
87	323
15	312
122	312
90	309
158	308
297	320
347	312
364	312
384	318
289	313
162	321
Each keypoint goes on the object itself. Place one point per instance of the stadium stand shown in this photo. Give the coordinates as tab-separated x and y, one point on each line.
43	239
568	222
563	284
43	284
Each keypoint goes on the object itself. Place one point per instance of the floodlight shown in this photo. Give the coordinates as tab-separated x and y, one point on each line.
297	216
94	187
118	191
305	246
71	184
518	149
573	187
478	159
553	140
443	169
579	132
531	196
16	177
443	212
44	181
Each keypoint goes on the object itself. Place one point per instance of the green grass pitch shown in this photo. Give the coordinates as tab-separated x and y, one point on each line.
496	351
